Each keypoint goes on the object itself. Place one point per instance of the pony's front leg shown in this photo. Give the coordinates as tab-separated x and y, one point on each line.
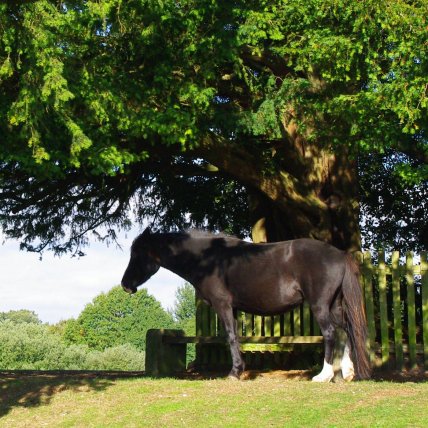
230	325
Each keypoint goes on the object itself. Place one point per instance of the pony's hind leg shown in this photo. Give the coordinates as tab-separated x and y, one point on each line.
327	372
346	364
328	331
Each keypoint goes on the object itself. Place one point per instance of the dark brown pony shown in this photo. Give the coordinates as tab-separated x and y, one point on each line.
263	279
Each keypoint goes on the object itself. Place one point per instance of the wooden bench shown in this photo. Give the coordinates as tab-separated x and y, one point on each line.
166	349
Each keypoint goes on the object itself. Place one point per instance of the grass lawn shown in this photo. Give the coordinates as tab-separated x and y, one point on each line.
265	400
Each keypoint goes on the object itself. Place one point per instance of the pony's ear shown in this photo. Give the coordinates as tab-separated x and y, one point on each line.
146	232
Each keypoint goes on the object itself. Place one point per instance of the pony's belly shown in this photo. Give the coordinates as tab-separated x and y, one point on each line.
268	311
271	302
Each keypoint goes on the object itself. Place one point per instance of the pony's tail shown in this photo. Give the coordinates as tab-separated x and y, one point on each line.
356	317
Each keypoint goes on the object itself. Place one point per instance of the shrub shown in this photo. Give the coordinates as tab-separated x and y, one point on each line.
123	357
26	346
75	357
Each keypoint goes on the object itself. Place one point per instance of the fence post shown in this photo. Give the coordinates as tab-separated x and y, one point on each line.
424	290
164	359
257	358
411	309
384	333
368	297
396	304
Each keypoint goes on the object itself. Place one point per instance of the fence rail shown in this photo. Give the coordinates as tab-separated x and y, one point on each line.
396	300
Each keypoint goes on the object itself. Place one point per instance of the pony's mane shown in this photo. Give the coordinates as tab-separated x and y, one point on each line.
198	233
192	233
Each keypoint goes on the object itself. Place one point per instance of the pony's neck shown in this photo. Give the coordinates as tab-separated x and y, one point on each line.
181	252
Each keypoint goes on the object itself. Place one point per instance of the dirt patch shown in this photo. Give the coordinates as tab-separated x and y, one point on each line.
418	375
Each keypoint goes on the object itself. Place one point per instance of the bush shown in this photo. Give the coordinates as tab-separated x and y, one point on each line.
75	357
27	346
123	357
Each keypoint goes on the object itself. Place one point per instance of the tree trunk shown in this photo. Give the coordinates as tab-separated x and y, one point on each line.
297	189
326	208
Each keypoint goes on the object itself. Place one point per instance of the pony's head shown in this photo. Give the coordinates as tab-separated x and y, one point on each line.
143	263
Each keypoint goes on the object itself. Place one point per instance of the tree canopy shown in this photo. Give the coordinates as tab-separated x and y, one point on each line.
115	318
184	308
20	316
231	115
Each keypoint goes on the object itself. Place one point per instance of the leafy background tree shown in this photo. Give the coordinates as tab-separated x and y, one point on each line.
184	311
20	316
184	314
116	318
255	117
109	334
394	214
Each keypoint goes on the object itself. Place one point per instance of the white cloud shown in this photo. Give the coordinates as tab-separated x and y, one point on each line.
59	288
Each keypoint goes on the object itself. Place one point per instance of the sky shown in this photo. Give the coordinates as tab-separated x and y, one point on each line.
59	288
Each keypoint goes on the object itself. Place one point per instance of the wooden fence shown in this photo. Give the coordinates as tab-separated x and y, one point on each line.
396	298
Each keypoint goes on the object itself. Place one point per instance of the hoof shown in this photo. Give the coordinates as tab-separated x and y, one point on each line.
322	379
234	375
326	374
348	372
349	377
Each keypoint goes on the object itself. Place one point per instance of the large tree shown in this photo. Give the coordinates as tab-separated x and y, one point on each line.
242	115
114	319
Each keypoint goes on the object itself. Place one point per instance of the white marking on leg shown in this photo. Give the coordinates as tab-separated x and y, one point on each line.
326	374
346	365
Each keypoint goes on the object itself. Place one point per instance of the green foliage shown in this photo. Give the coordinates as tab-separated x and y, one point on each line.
117	318
59	327
26	345
359	65
29	346
404	222
20	316
109	334
122	357
73	357
107	104
184	313
184	306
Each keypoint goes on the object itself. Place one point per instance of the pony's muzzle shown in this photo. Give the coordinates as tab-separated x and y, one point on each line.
130	290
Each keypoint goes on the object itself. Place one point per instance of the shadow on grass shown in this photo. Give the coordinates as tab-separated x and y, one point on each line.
247	375
400	376
415	376
37	388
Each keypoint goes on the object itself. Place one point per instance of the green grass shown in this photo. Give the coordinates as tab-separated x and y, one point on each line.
266	401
